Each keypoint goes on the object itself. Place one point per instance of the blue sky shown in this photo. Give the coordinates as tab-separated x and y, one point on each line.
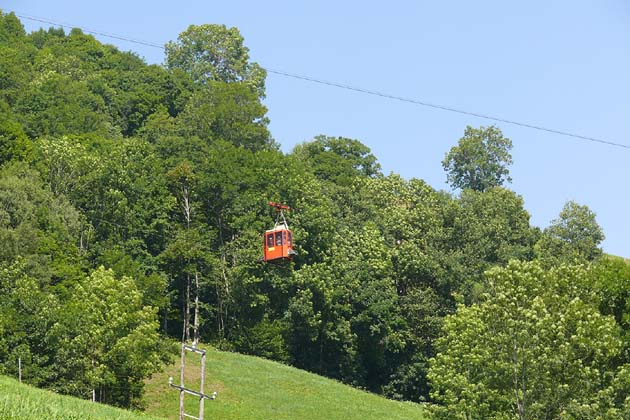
559	64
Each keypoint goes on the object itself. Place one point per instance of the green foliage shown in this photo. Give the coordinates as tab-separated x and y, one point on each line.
536	347
14	144
480	159
108	340
215	53
11	29
489	228
16	68
611	282
125	196
337	159
158	126
228	111
27	313
65	163
265	339
38	226
134	91
574	235
57	105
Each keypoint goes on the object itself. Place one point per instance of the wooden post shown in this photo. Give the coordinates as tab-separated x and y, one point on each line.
203	376
181	381
186	332
93	390
182	388
20	369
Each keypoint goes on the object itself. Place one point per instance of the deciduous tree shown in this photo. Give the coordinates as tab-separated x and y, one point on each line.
480	160
536	347
107	341
574	235
215	53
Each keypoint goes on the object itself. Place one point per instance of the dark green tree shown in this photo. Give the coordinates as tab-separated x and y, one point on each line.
227	111
14	144
338	159
489	228
57	105
28	311
11	29
574	235
36	225
215	53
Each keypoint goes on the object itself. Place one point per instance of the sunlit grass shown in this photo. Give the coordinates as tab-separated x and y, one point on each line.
250	388
22	402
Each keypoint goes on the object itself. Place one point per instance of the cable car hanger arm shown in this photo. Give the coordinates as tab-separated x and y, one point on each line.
278	206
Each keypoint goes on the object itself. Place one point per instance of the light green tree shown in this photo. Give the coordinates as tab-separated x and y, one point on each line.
65	163
107	341
535	348
480	160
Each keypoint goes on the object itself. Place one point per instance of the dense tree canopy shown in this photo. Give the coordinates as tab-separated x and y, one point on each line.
536	347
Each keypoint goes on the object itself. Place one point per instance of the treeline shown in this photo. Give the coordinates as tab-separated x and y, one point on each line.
132	205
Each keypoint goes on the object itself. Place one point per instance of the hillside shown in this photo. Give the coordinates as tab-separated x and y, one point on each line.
19	401
253	388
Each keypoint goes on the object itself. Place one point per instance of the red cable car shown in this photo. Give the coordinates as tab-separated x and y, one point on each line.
278	242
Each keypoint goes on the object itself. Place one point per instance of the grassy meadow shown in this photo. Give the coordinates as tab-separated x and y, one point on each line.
251	388
23	402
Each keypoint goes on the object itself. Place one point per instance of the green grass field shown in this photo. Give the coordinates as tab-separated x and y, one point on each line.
250	388
22	402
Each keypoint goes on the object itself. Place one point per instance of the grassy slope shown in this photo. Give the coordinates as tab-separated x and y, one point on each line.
252	388
18	401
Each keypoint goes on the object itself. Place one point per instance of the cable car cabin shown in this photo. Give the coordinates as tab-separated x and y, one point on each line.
278	244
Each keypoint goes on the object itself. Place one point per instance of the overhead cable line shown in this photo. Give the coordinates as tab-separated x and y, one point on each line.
359	90
445	108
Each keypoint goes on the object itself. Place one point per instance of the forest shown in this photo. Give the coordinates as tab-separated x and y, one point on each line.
133	199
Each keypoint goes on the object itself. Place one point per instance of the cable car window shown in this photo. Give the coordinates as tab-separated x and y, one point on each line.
278	238
270	240
290	241
284	237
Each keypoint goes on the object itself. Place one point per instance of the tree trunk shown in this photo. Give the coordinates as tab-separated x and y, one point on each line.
186	330
196	321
